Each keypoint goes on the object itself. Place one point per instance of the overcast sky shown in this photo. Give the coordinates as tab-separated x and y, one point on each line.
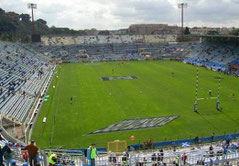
117	14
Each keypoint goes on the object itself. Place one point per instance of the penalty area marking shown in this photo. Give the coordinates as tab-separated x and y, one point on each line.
207	98
136	124
118	78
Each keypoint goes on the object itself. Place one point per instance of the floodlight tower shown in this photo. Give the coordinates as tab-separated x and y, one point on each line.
32	6
182	6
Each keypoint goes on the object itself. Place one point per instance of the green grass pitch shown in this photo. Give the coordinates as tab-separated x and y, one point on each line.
98	104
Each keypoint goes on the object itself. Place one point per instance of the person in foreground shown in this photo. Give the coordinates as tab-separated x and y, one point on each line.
32	152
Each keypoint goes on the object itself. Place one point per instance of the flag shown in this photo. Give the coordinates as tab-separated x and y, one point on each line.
185	144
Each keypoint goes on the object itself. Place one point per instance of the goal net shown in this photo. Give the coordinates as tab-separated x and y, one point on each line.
116	146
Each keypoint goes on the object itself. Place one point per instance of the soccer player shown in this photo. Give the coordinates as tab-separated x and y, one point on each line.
71	99
195	107
172	74
233	96
218	106
210	92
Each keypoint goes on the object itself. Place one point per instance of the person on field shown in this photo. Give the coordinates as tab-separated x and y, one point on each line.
213	136
32	152
71	99
210	92
172	74
93	155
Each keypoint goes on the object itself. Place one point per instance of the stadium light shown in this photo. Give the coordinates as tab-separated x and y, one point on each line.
182	6
32	6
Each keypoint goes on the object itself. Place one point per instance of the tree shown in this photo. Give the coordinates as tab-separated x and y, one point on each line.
41	21
41	27
15	27
7	26
235	31
25	18
186	31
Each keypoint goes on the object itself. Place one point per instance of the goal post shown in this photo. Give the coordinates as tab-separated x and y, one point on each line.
116	146
210	97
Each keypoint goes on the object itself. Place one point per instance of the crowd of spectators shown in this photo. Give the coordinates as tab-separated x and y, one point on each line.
203	155
22	73
214	55
114	52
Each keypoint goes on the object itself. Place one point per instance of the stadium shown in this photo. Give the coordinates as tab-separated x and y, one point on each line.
141	99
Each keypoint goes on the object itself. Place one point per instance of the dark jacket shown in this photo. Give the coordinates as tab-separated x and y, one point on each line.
1	155
32	149
7	152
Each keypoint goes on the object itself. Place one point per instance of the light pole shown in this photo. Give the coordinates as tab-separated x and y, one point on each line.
182	6
32	6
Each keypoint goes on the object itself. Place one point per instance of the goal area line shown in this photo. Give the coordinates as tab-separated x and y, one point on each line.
207	98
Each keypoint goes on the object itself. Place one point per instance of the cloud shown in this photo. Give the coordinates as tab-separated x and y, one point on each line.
116	14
